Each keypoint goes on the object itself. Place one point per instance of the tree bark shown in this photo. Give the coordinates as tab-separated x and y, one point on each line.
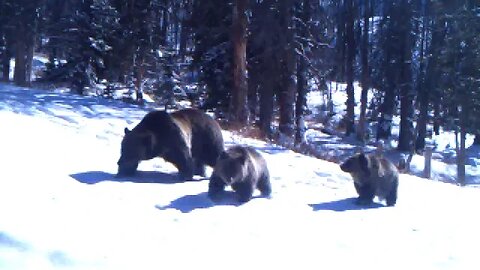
301	101
407	94
287	88
350	40
238	102
5	61
266	107
365	72
431	76
388	106
476	141
20	72
185	30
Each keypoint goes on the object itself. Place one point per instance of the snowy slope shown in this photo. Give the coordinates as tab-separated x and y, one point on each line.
62	208
337	147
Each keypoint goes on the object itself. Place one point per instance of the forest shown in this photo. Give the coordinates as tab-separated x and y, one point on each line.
254	62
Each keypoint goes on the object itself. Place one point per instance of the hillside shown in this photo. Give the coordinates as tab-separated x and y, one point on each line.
62	208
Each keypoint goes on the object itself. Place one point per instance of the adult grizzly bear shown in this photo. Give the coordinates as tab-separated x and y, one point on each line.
244	169
372	175
189	139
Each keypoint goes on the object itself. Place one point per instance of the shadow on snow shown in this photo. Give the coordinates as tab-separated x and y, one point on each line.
188	203
344	205
10	242
94	177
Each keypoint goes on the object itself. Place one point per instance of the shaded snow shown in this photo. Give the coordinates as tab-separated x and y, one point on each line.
62	208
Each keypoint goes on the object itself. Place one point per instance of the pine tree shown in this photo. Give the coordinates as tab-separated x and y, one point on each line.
6	37
287	86
364	54
25	22
349	64
461	62
238	103
81	34
407	93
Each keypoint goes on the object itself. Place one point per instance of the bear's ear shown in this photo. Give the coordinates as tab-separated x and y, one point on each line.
241	159
363	162
126	130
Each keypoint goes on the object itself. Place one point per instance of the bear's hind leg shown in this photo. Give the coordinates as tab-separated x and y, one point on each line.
264	186
365	192
183	162
199	168
392	196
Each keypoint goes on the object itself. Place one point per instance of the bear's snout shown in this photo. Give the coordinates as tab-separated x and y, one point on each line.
126	168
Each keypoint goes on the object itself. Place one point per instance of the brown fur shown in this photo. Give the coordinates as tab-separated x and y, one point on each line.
244	169
373	176
189	139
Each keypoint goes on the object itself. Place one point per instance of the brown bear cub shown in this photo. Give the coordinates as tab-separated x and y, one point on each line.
188	138
372	176
244	169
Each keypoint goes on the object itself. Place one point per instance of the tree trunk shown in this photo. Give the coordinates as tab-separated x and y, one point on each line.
287	88
407	94
29	59
139	73
350	39
461	158
423	95
253	89
340	48
238	102
6	63
476	141
431	76
20	72
185	31
164	25
388	105
266	108
436	115
301	101
365	73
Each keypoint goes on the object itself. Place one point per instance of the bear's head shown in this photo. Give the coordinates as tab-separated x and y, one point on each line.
136	147
231	167
356	164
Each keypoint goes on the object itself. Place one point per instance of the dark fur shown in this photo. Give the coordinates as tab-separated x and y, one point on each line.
372	176
189	139
244	169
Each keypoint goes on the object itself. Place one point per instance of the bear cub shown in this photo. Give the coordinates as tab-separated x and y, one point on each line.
244	169
372	176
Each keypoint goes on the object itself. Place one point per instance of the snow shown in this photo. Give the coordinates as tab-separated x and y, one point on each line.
337	147
62	208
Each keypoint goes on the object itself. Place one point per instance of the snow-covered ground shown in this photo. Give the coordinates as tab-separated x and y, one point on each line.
337	147
62	208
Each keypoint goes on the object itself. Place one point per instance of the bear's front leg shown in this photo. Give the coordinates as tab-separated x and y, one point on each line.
243	191
366	192
216	186
182	160
126	168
